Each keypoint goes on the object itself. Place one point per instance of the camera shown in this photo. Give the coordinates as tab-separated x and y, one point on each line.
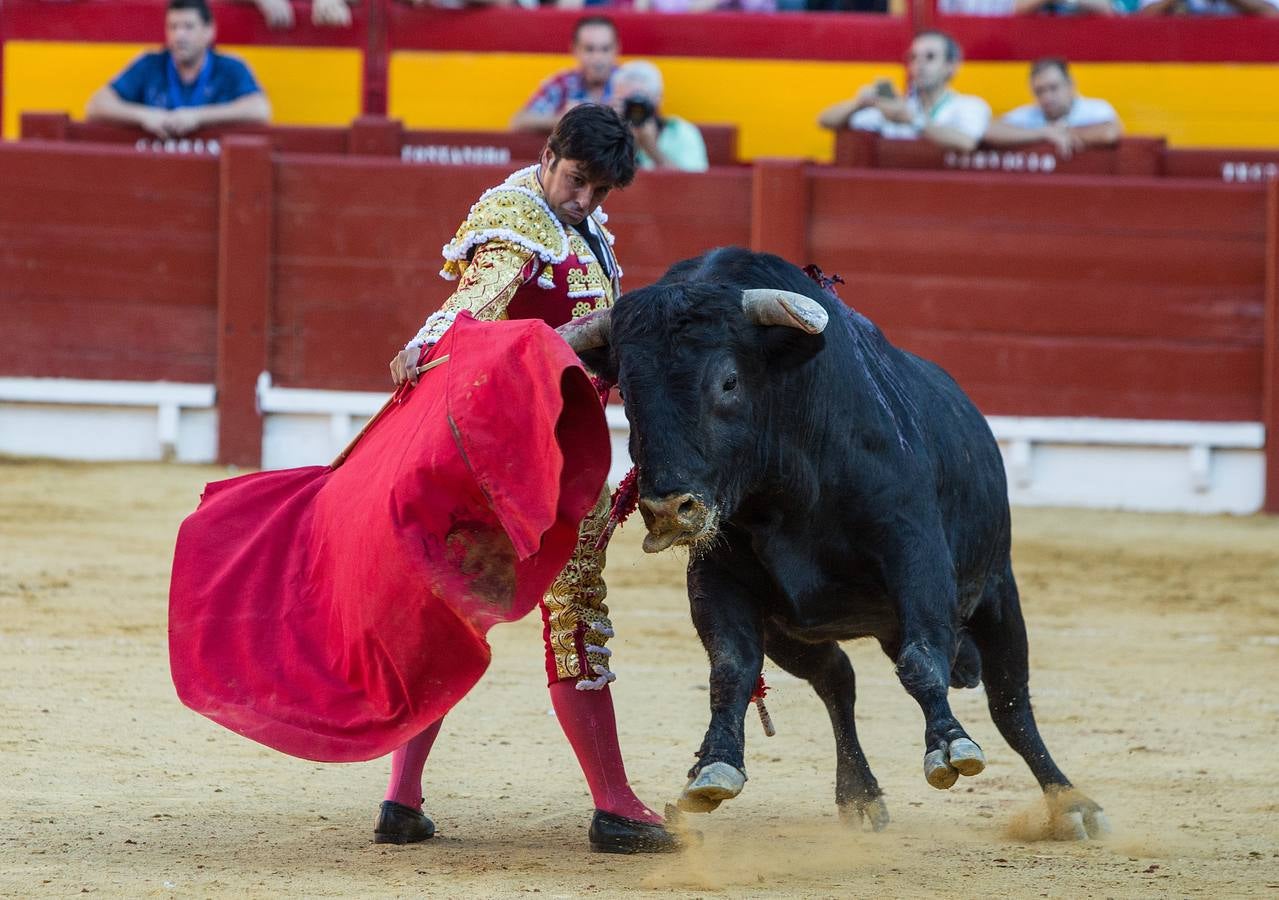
638	110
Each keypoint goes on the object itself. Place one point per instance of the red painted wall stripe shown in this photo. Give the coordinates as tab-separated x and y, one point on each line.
820	36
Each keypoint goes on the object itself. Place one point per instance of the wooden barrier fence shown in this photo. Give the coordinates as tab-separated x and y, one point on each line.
367	136
1073	296
380	136
1132	156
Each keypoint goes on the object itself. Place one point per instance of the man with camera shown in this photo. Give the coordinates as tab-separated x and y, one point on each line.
662	142
930	109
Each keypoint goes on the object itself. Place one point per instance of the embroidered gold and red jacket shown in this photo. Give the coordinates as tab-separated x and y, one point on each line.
513	259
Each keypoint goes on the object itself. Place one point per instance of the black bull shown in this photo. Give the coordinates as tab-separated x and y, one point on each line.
829	486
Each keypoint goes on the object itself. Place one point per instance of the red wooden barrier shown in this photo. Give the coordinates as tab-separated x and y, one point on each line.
1131	156
368	136
779	197
1072	296
1270	370
58	126
1233	166
245	212
357	262
109	263
668	216
358	252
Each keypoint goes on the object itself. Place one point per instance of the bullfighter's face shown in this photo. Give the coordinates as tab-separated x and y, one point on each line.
570	193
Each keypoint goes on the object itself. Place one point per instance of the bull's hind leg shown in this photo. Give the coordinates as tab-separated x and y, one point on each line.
827	668
1000	634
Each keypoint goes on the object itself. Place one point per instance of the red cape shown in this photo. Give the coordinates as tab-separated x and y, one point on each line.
333	613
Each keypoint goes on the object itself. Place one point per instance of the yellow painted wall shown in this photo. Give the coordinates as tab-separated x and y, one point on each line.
306	86
775	103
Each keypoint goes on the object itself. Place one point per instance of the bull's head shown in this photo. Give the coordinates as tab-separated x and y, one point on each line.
702	369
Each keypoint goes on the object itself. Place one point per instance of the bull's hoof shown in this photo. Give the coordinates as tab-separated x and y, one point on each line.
943	766
710	787
966	756
856	813
1074	817
939	773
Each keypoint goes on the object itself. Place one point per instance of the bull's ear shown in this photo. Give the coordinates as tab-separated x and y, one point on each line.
770	306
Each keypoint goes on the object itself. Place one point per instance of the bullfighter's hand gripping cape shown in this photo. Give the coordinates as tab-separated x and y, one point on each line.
334	612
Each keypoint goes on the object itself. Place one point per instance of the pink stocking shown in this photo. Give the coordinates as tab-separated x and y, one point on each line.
407	763
588	723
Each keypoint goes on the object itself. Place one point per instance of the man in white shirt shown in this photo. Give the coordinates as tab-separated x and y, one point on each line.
1059	115
930	109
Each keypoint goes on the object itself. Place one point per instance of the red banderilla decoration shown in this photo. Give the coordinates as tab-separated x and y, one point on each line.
764	718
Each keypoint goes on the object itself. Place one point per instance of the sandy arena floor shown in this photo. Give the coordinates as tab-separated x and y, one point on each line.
1155	649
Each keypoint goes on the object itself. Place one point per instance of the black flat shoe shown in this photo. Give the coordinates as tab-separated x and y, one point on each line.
400	824
614	834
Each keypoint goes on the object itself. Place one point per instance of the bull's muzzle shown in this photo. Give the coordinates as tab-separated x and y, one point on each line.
675	518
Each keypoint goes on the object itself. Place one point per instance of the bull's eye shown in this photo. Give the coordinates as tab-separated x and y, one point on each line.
730	382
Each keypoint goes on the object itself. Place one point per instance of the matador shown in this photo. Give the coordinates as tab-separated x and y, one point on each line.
536	247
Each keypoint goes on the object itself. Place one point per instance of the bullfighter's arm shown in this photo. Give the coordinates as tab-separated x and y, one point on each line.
485	288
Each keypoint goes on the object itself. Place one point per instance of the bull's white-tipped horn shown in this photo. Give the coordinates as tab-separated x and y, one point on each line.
770	306
589	332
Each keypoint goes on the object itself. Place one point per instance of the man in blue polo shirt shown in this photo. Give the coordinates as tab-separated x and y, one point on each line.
185	87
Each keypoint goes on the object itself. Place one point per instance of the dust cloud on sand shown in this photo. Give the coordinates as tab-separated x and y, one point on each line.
1154	647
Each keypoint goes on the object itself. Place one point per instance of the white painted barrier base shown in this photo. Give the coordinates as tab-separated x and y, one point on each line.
1203	467
100	421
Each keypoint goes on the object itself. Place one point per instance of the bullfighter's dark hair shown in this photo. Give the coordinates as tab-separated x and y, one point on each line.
200	6
1050	62
954	53
588	21
597	138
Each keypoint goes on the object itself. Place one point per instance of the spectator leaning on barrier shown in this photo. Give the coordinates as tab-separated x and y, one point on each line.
930	109
1209	8
1059	115
595	46
662	142
184	87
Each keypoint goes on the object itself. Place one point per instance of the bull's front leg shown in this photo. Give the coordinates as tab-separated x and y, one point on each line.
920	575
727	618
